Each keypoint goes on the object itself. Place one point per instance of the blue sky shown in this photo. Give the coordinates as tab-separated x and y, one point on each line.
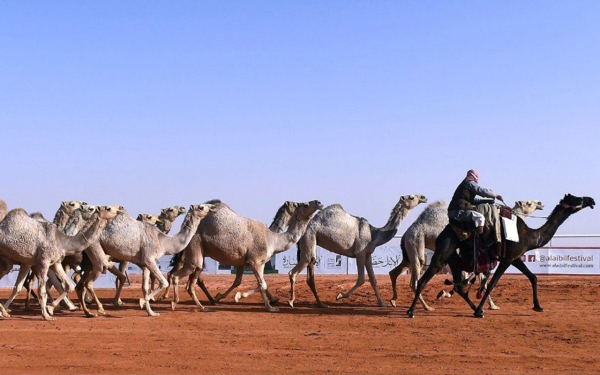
150	104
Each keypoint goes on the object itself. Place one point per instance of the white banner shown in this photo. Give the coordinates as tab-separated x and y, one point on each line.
546	261
385	258
327	262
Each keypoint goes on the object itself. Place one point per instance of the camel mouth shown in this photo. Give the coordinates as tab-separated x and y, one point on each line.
540	206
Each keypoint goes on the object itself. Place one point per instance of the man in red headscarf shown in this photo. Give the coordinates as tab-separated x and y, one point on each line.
461	206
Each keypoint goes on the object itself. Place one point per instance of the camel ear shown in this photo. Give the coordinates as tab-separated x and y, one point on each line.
139	217
519	203
164	210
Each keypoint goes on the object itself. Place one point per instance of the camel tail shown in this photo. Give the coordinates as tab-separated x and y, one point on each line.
403	247
298	252
175	259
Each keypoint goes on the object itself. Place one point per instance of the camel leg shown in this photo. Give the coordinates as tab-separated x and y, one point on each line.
175	267
502	267
121	278
59	276
41	272
60	286
360	264
87	283
518	263
239	272
202	286
29	287
192	279
303	261
373	280
186	270
152	269
123	270
23	271
397	271
262	285
310	280
445	245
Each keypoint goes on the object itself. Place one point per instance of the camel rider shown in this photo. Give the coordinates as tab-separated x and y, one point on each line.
461	206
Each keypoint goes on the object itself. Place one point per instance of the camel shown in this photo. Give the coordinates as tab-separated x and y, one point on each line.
125	239
41	246
279	225
421	235
339	232
447	243
65	211
232	239
69	218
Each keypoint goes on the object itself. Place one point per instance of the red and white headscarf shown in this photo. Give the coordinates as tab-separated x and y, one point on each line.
473	175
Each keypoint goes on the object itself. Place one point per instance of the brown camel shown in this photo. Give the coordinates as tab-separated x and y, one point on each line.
447	243
339	232
232	239
279	225
41	246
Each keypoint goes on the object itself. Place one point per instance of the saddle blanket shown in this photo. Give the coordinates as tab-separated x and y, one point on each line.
509	228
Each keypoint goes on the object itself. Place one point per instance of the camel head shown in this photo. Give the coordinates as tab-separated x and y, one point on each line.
109	212
71	206
199	211
87	211
577	203
149	219
408	202
304	211
528	207
171	213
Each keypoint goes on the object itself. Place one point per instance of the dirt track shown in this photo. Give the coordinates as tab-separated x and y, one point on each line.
352	336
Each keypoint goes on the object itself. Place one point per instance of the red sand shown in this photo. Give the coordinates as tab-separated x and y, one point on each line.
352	336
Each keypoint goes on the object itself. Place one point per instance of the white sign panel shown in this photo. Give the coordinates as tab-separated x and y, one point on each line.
561	261
327	262
385	259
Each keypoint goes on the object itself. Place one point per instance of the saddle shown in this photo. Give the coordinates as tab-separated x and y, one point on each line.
489	246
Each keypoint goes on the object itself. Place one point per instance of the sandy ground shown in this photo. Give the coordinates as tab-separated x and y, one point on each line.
351	336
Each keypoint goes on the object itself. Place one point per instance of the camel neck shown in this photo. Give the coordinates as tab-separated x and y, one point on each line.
539	237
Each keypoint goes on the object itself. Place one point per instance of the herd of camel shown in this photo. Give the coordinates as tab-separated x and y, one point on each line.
91	240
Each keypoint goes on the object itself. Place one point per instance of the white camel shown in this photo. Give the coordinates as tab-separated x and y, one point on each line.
339	232
126	239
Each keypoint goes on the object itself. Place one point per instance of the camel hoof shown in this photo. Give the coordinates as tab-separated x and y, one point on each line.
91	315
410	313
173	304
50	309
274	301
478	314
393	302
339	296
118	303
429	308
102	312
494	307
272	309
291	303
440	295
204	309
153	314
538	309
49	318
237	297
142	303
323	305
